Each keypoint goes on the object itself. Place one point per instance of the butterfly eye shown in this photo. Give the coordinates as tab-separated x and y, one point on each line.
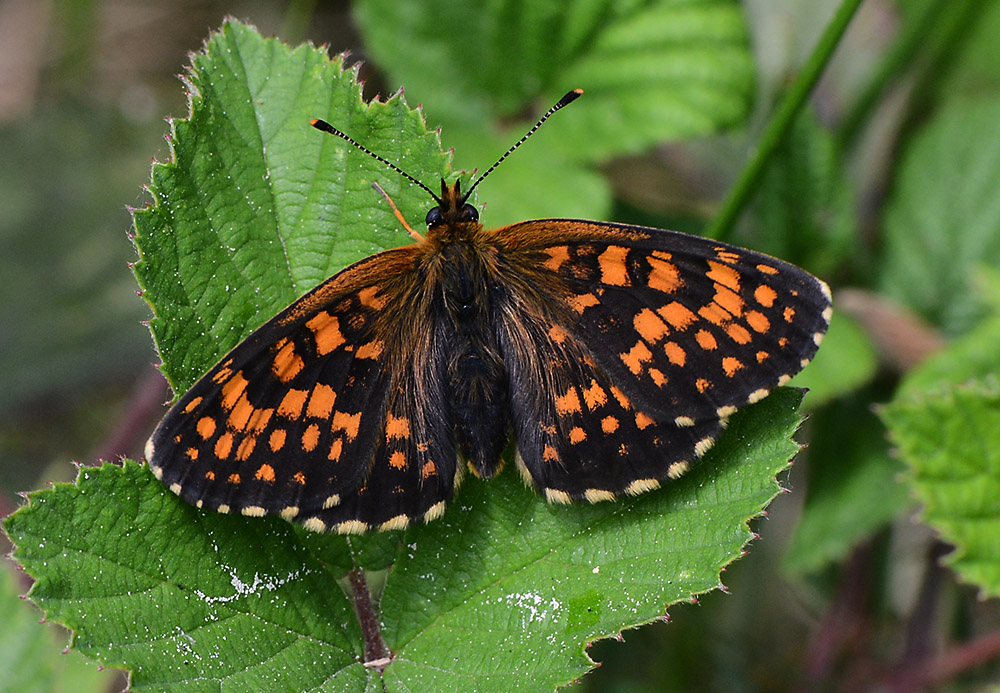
470	213
434	217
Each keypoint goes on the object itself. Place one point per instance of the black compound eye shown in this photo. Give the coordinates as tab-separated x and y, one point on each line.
470	213
434	217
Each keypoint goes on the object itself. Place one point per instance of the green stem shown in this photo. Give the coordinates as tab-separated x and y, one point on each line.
722	226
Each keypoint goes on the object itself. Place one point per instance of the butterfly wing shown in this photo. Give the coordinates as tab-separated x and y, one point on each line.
303	419
660	336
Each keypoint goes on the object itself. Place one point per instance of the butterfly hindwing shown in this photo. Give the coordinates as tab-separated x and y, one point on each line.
662	336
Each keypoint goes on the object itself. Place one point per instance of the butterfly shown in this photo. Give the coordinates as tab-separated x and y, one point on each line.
611	354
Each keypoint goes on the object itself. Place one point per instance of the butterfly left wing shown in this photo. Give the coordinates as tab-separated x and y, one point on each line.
655	339
305	419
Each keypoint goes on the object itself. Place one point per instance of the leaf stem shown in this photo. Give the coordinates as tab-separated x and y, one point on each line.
377	655
721	226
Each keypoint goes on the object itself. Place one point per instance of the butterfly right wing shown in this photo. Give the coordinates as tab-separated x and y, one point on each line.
304	419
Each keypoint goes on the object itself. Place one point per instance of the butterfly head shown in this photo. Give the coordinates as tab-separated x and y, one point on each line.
452	207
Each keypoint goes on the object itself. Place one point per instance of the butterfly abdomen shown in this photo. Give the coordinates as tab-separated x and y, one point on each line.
476	381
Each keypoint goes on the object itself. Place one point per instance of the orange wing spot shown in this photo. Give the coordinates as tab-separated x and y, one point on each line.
547	429
675	353
758	321
569	403
245	448
649	326
658	378
292	403
636	356
595	396
223	374
789	314
724	274
738	333
726	255
371	350
276	440
326	332
310	437
369	297
767	269
762	356
299	478
205	427
765	295
731	365
397	460
783	342
558	254
259	421
643	421
676	315
232	390
210	475
612	265
714	314
428	470
557	334
706	341
321	402
663	276
286	364
350	424
620	398
191	454
728	301
702	384
224	445
239	417
550	454
577	435
234	478
336	449
582	302
192	405
265	472
609	424
397	427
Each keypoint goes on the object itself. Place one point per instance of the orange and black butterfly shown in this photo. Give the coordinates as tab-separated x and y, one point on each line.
613	354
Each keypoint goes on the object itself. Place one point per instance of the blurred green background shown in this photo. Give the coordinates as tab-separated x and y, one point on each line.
85	86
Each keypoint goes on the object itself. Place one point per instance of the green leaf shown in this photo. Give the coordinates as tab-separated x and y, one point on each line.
951	441
651	70
805	208
943	217
854	488
30	657
243	211
502	593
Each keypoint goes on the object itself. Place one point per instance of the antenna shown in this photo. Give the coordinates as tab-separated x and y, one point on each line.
326	127
569	98
566	100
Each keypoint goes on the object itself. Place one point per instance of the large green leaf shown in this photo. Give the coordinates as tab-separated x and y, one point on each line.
651	70
503	592
943	217
951	441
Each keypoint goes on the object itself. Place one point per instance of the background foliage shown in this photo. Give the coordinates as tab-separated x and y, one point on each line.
886	186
